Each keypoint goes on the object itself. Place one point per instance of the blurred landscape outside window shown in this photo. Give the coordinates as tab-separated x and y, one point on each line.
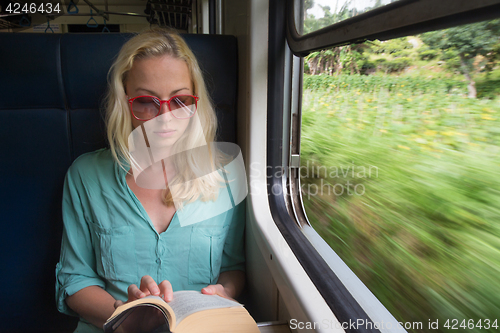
400	170
322	13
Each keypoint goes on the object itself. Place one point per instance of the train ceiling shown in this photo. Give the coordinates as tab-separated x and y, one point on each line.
164	13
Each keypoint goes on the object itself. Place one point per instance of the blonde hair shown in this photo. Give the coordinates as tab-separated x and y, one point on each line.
155	43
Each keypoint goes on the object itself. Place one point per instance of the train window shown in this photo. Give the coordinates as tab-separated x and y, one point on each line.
399	168
396	19
393	160
322	13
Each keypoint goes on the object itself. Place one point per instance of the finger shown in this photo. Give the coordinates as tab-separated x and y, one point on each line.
134	292
148	284
217	289
209	290
166	290
118	303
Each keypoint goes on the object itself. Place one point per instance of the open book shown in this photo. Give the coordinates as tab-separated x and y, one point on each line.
188	312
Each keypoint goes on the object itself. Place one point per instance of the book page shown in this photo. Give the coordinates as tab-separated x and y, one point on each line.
145	315
188	302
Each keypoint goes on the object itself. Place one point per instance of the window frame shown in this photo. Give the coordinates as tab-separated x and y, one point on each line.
342	291
397	19
339	299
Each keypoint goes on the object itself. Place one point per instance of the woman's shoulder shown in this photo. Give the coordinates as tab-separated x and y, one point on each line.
93	164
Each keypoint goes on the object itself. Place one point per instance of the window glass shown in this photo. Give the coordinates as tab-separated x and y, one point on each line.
322	13
400	171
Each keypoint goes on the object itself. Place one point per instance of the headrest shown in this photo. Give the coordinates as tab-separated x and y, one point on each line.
86	59
30	79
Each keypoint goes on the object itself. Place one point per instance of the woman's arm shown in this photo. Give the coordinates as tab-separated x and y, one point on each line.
233	282
229	285
93	304
76	271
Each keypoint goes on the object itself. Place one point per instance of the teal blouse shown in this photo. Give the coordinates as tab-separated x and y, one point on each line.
109	241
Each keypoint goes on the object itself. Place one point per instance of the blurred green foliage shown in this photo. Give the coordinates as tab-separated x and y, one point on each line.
374	83
426	54
392	46
468	49
418	163
424	235
468	41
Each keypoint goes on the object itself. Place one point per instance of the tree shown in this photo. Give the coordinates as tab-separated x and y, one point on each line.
308	4
340	59
328	60
468	41
311	23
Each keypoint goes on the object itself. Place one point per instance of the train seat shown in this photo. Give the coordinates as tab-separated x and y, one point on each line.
51	90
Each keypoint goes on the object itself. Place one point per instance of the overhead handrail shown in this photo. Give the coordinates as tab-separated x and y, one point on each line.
48	26
99	12
92	25
72	5
25	21
105	29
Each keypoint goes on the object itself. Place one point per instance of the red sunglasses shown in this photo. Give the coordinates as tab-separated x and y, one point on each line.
148	107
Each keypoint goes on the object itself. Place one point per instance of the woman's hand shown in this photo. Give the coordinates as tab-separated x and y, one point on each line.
217	289
148	287
229	285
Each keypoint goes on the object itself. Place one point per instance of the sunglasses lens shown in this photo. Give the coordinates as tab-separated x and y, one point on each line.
146	107
183	106
141	319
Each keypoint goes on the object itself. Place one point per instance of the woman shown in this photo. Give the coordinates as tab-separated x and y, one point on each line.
118	234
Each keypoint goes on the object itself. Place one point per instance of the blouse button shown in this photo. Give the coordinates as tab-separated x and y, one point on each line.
158	261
